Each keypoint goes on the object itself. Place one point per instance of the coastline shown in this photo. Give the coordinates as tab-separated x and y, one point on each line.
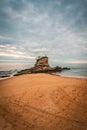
77	77
6	78
59	75
72	76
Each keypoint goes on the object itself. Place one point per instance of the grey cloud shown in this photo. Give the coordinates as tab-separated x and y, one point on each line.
31	30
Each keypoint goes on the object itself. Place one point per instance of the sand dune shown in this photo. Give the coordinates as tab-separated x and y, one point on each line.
43	102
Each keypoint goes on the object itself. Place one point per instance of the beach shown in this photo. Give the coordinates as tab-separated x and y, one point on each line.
43	102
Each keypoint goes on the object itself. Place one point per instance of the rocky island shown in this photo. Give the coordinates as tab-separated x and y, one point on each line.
42	66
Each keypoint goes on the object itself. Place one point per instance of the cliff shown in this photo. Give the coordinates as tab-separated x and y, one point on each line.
41	66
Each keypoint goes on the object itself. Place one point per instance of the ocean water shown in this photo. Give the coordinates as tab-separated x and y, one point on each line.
74	72
9	69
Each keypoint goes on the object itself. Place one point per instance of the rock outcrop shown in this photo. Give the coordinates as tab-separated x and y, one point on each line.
42	62
41	66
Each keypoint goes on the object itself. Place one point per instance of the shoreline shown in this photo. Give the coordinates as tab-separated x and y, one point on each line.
78	77
6	78
54	74
71	76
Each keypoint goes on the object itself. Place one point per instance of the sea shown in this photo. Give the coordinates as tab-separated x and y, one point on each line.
77	70
74	72
10	69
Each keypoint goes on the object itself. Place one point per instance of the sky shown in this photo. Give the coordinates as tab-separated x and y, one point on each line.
53	28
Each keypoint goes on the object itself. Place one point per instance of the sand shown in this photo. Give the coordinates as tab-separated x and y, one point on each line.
43	102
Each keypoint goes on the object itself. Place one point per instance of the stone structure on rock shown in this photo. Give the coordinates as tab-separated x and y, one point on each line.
41	66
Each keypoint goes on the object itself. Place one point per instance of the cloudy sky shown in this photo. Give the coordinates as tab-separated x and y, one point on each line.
32	28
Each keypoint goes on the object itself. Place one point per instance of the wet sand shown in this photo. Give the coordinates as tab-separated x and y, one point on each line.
43	102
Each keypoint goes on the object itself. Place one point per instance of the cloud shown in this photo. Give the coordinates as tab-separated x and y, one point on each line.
54	28
41	50
12	51
78	62
14	55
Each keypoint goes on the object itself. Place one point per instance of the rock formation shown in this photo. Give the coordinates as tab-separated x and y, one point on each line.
42	62
41	66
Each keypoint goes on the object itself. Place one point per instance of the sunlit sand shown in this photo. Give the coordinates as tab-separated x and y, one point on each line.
43	102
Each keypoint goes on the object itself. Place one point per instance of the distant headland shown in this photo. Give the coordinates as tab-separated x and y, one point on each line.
42	66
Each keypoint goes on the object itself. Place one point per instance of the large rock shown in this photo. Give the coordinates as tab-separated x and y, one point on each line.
42	62
41	66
